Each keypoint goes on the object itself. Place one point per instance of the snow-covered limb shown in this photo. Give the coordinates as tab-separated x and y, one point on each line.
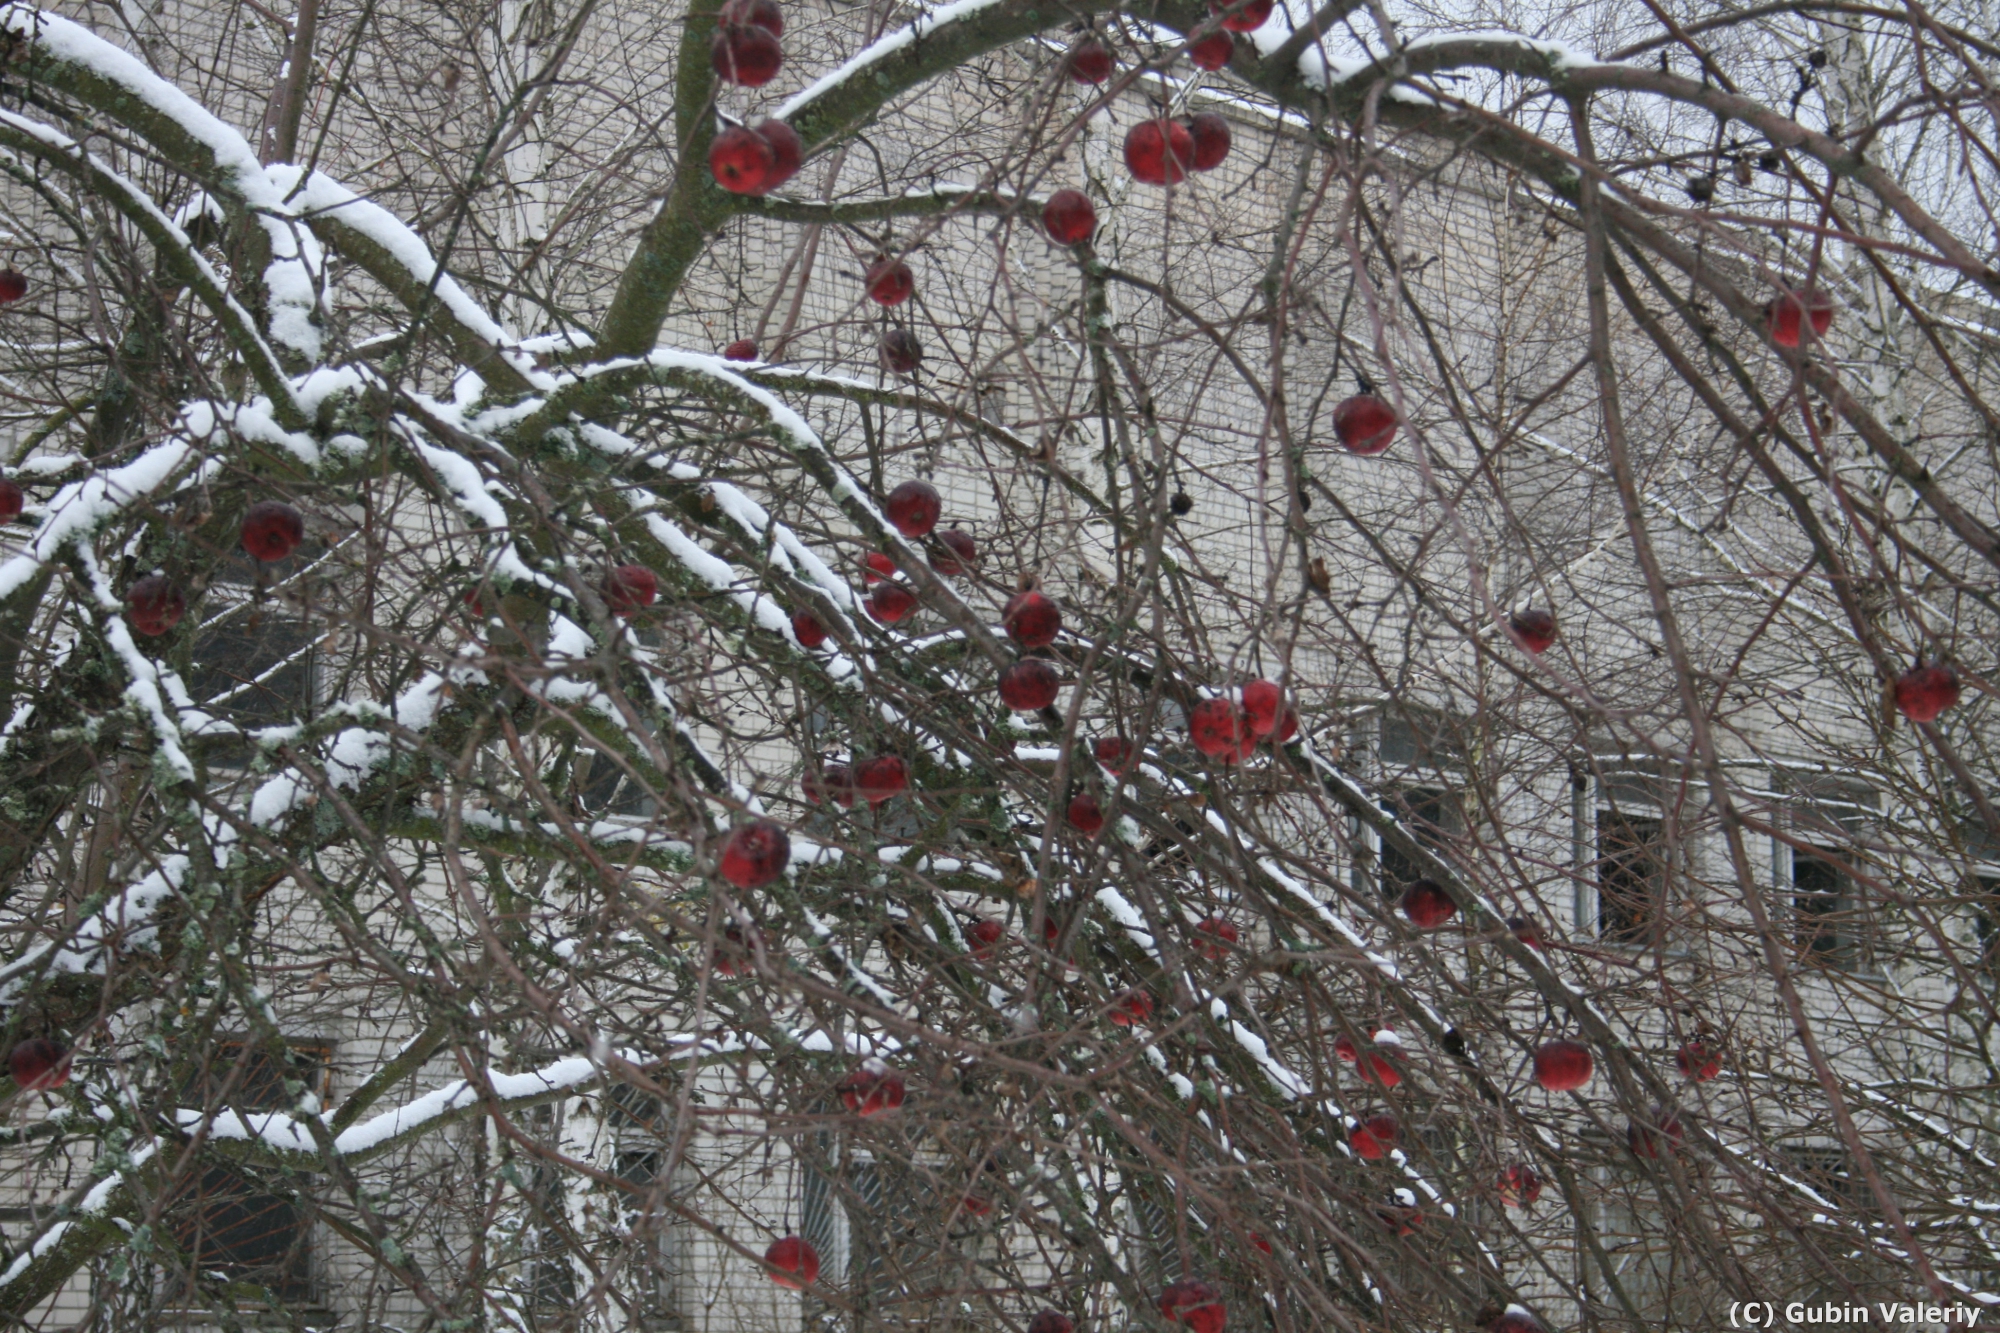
941	199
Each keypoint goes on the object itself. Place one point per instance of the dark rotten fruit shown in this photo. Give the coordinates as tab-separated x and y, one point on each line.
1029	685
628	588
1427	904
742	161
890	282
794	1262
1210	133
743	349
763	14
1698	1061
1563	1066
807	629
1194	1304
1926	691
872	1089
964	557
1158	152
1212	51
156	604
901	352
1115	753
39	1065
1791	313
835	782
755	855
1219	728
1051	1321
1534	629
12	498
914	507
1215	937
1085	814
1089	61
881	778
1364	424
272	530
890	603
1373	1138
1069	217
1519	1185
1031	620
745	54
1245	16
1659	1139
13	285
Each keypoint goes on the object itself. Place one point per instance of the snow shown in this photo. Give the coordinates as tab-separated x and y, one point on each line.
879	50
80	508
1128	916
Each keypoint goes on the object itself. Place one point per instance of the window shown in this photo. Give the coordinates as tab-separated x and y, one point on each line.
1631	879
252	664
1419	738
226	1222
1632	1228
1829	924
1429	813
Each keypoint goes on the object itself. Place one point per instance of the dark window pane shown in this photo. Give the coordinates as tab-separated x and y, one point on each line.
1631	878
228	1226
1427	813
253	667
1822	909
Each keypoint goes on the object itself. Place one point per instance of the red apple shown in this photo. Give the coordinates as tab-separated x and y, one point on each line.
1789	314
964	557
914	507
1288	727
1115	753
1085	814
872	1089
1534	629
975	1205
272	530
1069	217
1525	931
1210	133
12	498
755	855
1401	1219
763	14
1089	61
1194	1303
1212	51
39	1065
1427	904
1519	1185
1257	1239
1364	424
1029	685
890	603
743	349
1515	1320
1659	1139
1698	1061
901	352
881	778
1378	1068
1345	1049
786	149
1051	1321
1563	1065
793	1260
13	285
1134	1006
877	567
1373	1138
1218	727
1217	935
1031	619
742	161
1157	152
807	629
745	54
834	782
156	603
627	588
984	936
1926	691
1261	701
1243	16
890	282
732	955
